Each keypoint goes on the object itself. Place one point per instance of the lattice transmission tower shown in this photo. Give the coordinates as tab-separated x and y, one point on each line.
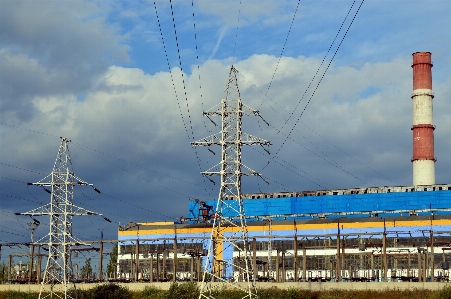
229	242
58	279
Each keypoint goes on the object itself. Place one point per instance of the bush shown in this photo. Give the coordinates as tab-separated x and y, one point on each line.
186	290
18	295
80	294
110	291
444	293
152	293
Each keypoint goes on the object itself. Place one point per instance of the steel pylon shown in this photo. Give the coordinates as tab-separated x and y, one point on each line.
229	251
58	279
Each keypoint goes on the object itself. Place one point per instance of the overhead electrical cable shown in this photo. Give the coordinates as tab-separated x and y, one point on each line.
322	62
316	133
283	49
12	216
236	31
135	205
21	168
316	153
11	229
122	215
321	79
183	80
357	160
88	149
83	147
292	168
33	131
198	66
143	178
18	197
21	235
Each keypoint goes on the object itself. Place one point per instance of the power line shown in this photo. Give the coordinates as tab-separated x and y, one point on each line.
34	131
172	79
322	77
236	31
85	148
198	65
316	133
292	169
20	235
21	198
21	168
283	49
319	67
357	160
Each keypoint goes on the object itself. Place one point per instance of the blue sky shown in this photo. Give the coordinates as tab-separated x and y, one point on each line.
96	72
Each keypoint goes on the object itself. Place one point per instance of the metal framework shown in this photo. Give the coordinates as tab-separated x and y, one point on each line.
231	139
61	209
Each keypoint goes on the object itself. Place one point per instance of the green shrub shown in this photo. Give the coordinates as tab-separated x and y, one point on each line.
444	293
185	290
110	291
225	293
18	295
152	292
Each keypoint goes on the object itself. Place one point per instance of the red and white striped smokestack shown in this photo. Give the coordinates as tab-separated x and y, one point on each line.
423	128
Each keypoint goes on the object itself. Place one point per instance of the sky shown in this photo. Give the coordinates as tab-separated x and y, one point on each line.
127	82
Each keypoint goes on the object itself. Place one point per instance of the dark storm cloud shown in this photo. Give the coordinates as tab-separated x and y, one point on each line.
50	48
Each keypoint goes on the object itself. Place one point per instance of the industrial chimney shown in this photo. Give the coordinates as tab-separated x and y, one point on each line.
423	130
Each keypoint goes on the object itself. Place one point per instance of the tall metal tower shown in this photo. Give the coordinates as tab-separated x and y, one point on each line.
230	250
58	279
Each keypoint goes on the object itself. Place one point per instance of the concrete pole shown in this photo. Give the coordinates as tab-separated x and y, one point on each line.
151	267
10	261
343	257
254	259
408	268
174	279
432	257
350	272
395	266
192	268
277	267
295	264
158	267
38	270
198	268
101	261
76	271
30	276
372	265
165	253
304	263
425	266
331	271
420	271
137	260
384	255
284	276
338	270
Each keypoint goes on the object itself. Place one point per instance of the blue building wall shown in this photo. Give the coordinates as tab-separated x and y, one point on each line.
343	204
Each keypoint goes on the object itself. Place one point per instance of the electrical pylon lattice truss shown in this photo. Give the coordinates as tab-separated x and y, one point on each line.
58	280
231	139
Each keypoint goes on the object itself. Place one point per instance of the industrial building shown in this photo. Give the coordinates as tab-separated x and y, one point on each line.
388	233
